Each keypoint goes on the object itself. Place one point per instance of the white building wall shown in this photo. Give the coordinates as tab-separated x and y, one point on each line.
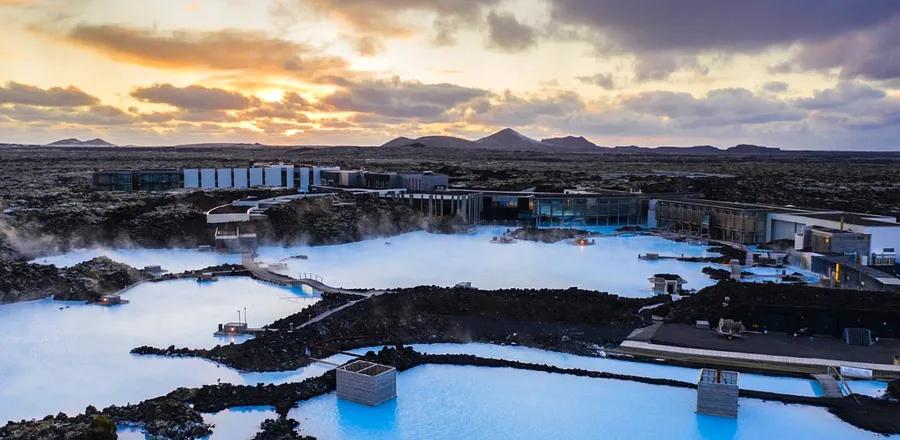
191	178
651	213
208	177
256	177
304	179
289	176
241	178
316	176
223	178
273	176
884	237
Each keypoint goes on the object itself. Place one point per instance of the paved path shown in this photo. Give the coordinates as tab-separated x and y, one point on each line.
752	360
330	312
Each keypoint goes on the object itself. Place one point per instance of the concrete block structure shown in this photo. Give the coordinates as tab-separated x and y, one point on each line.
717	392
366	382
666	283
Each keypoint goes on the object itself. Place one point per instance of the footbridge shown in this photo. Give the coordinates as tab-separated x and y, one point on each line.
314	281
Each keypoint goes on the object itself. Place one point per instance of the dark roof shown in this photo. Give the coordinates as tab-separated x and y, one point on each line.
727	205
850	217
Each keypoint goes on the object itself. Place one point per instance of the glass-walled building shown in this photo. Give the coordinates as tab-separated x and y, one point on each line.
565	209
590	210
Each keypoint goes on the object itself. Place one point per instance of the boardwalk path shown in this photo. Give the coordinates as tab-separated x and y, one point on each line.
752	360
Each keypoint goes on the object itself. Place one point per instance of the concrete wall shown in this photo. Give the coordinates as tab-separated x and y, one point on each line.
191	178
273	176
207	177
256	177
365	389
223	175
304	179
289	177
241	178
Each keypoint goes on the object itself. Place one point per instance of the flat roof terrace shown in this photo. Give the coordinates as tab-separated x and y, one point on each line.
853	218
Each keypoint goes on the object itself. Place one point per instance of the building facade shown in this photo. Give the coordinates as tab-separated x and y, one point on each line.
715	220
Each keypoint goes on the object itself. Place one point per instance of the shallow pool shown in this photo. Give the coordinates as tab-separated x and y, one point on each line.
451	402
63	356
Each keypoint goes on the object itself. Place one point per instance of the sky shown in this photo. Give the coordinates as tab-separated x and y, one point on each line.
797	74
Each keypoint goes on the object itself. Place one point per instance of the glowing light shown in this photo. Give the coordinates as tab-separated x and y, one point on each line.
271	95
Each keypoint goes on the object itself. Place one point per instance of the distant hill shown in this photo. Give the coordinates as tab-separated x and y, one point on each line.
506	139
431	142
509	139
571	143
72	141
752	149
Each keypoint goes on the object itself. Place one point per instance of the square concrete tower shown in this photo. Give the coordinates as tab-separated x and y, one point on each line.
366	382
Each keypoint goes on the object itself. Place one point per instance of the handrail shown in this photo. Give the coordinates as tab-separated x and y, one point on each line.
834	371
311	276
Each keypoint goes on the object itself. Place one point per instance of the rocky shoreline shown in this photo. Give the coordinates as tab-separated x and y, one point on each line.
86	281
571	320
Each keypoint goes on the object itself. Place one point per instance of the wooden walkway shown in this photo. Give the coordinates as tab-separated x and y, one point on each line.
830	385
283	280
752	360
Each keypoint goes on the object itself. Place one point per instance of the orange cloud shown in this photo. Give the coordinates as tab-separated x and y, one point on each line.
226	49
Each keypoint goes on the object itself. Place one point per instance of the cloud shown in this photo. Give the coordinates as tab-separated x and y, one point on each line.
604	80
383	17
506	33
402	99
868	53
719	107
775	86
99	115
696	25
844	94
227	49
192	97
509	109
16	93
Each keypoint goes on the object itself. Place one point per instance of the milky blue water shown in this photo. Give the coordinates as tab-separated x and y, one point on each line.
452	402
62	356
422	258
238	423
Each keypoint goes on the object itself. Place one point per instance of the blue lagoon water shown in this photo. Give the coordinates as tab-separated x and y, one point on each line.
422	258
63	356
451	402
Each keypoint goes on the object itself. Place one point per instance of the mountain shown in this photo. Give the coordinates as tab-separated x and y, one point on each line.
570	143
92	143
431	142
752	149
509	139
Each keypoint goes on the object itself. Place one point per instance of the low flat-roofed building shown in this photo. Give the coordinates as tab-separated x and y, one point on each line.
883	231
717	220
138	180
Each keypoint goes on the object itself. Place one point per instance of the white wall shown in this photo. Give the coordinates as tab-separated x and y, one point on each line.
273	176
289	177
191	178
304	179
208	177
256	177
241	179
224	178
